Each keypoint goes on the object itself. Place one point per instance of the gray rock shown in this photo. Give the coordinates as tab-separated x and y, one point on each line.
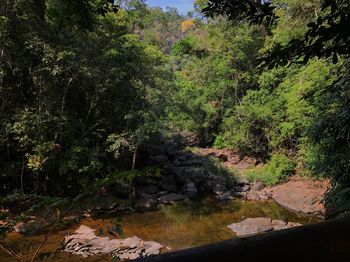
85	243
171	198
149	189
244	188
145	202
225	196
219	189
120	189
241	181
240	194
162	193
252	226
190	189
167	183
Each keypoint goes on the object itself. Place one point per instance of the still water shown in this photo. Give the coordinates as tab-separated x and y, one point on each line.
186	224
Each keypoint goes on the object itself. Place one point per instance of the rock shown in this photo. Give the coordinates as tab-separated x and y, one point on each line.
149	189
84	242
153	248
171	198
225	196
263	194
179	173
145	202
145	180
184	156
162	193
120	190
241	181
244	188
190	189
218	189
167	183
253	195
240	194
30	227
251	226
257	186
131	242
301	195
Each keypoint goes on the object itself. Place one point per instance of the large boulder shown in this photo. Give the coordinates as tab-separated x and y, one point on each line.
301	195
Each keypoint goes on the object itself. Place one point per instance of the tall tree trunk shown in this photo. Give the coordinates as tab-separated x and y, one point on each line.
134	159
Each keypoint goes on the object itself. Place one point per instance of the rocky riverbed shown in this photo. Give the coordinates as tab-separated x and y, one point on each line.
190	173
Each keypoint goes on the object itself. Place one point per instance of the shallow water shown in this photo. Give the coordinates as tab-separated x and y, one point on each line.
186	224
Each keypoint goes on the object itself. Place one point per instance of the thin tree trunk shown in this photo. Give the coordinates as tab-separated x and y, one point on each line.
131	189
22	186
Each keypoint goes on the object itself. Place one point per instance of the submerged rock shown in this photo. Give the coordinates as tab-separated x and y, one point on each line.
85	243
252	226
171	198
145	202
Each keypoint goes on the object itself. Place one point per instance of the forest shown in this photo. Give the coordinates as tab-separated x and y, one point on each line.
88	89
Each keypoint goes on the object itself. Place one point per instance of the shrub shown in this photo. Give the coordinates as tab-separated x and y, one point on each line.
275	171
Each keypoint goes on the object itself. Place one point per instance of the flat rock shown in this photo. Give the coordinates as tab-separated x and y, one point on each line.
84	242
171	198
145	201
301	195
252	226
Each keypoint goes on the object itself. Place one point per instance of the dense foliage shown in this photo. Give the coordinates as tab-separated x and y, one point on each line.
84	85
75	86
